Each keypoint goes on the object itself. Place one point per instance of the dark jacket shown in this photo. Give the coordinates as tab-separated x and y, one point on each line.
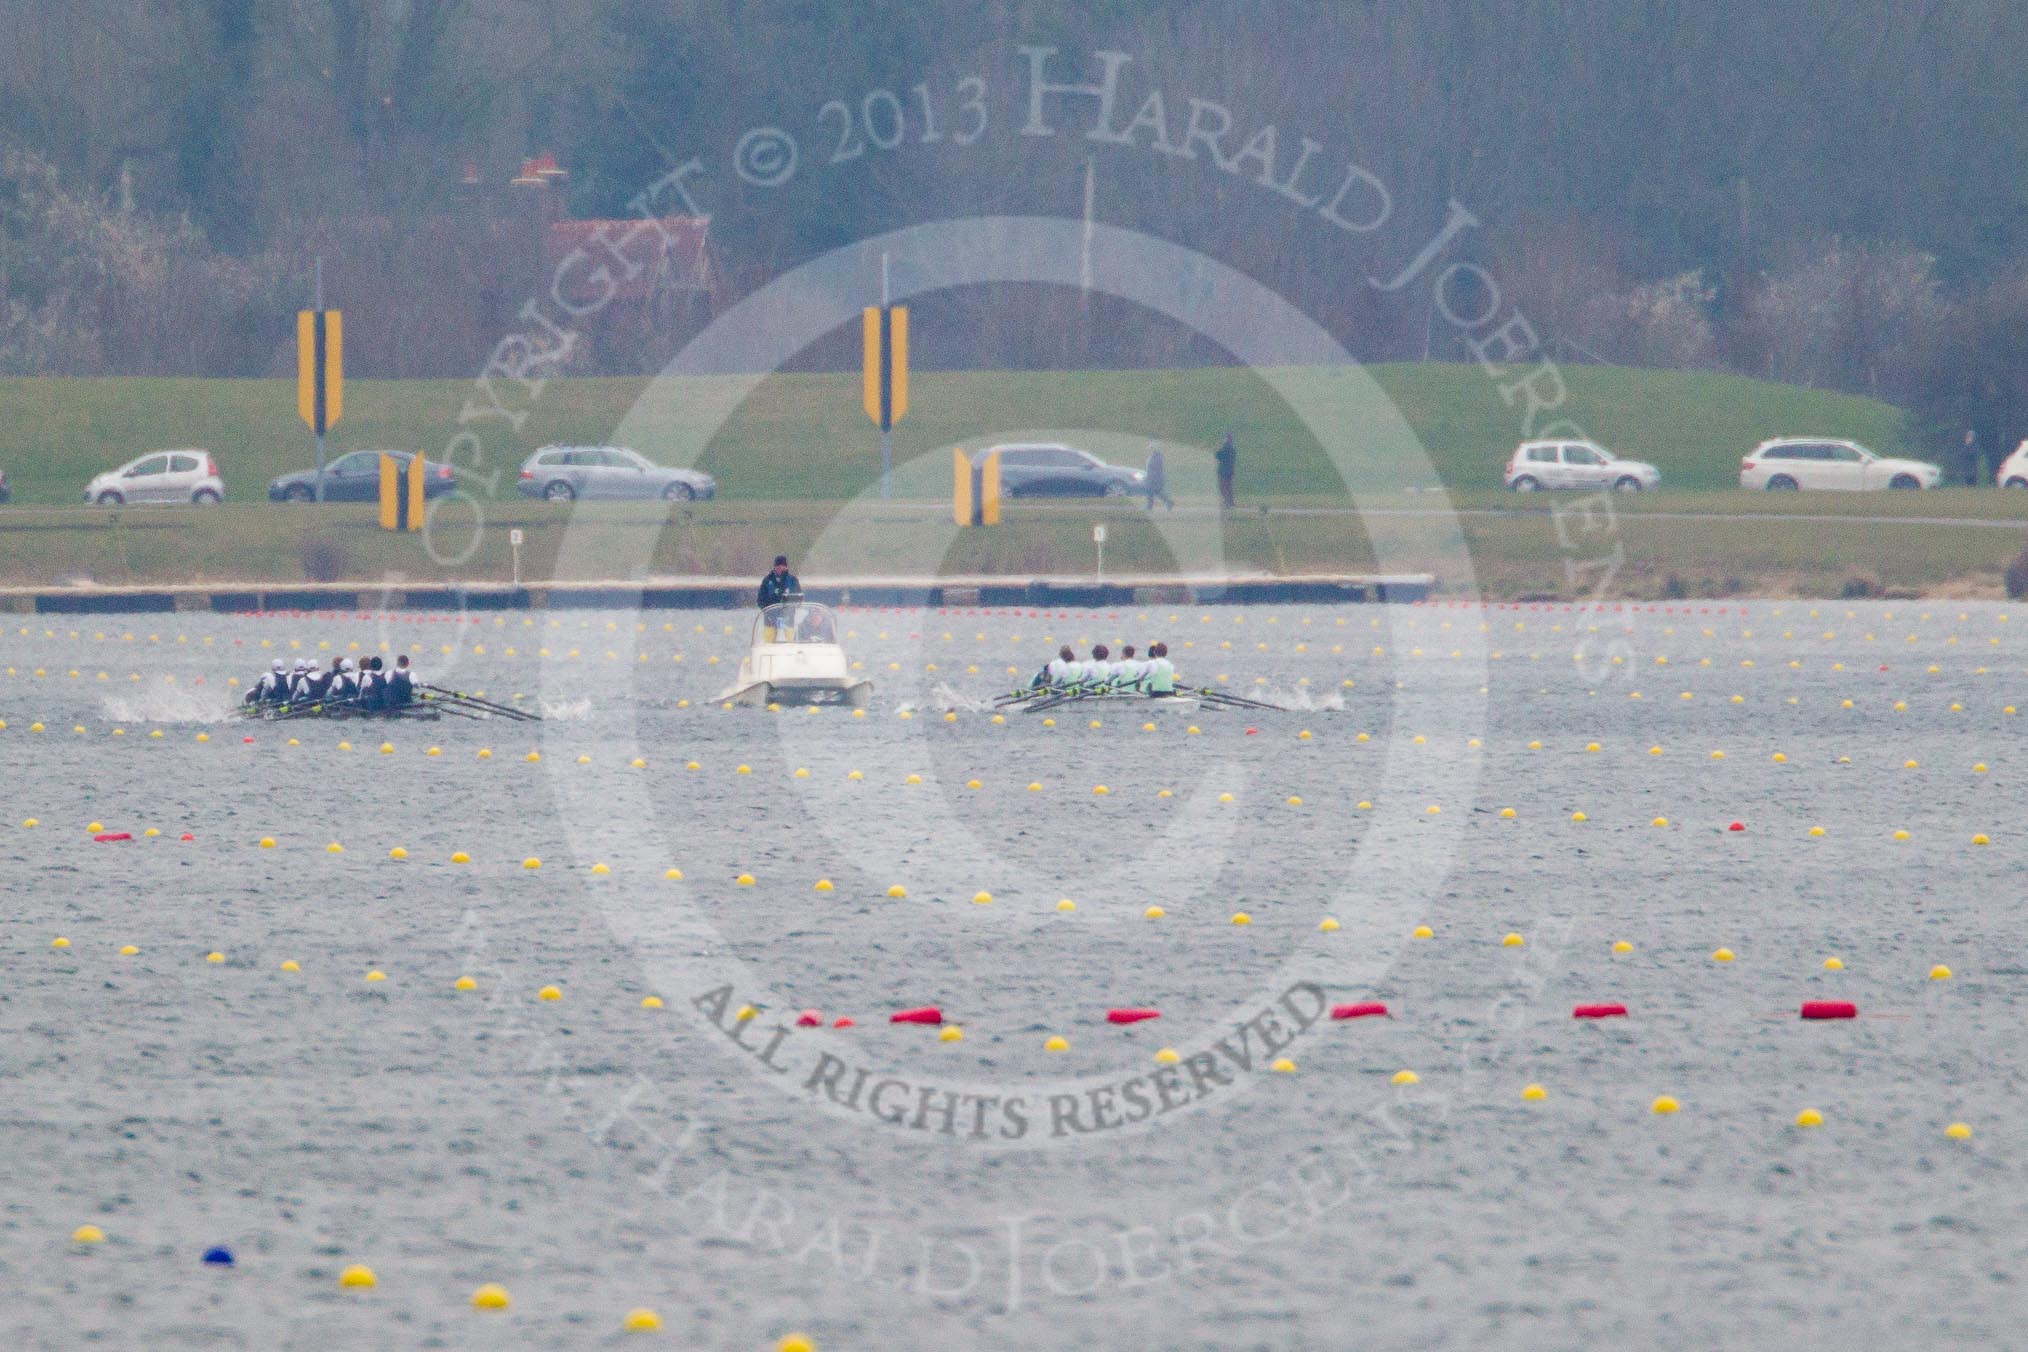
1227	457
775	590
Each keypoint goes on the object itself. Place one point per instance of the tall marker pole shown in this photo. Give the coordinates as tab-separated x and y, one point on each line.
320	370
319	306
886	422
886	373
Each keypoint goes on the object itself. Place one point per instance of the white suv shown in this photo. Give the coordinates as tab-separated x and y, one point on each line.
1788	463
2013	471
1576	464
160	476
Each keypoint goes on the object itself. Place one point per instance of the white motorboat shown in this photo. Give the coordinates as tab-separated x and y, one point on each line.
795	659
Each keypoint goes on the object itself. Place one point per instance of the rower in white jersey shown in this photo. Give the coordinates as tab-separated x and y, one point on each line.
1052	673
1159	679
1128	670
1098	672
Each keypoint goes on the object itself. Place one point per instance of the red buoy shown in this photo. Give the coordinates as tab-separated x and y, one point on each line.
1131	1015
809	1018
1599	1012
1830	1009
1737	826
843	1021
1365	1011
187	836
927	1014
106	837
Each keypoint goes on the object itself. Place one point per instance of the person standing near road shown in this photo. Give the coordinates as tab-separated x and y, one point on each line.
1156	479
1228	466
780	584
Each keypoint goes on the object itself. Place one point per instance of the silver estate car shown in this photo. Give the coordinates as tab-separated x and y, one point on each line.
565	473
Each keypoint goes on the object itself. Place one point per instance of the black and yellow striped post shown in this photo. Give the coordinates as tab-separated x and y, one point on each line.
886	378
320	372
402	499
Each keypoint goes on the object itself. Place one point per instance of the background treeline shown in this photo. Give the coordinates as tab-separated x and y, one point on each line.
1828	192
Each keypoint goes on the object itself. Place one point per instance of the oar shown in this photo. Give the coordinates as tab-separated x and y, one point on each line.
475	702
1238	701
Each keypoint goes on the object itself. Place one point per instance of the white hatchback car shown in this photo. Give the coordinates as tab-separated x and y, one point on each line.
1576	464
2013	471
160	476
1788	463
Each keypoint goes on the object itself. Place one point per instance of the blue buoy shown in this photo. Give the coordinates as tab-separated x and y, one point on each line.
218	1256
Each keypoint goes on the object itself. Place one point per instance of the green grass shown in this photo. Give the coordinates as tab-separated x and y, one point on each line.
802	436
793	450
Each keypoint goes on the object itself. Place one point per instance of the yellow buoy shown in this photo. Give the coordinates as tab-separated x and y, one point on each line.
745	880
460	857
531	862
641	1321
651	1002
823	885
1959	1131
491	1296
1066	904
358	1277
464	983
1622	946
397	853
1665	1105
1939	973
88	1234
1154	913
1241	918
1407	1077
214	957
1722	955
1534	1093
897	891
549	993
1422	932
288	965
1512	941
1809	1117
1056	1044
59	942
951	1033
982	898
1328	925
1168	1056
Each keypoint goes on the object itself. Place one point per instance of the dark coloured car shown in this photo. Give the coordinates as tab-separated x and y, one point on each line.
1051	471
355	477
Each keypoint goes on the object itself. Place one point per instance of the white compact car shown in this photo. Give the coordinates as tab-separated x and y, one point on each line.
2013	471
160	476
1789	463
1576	464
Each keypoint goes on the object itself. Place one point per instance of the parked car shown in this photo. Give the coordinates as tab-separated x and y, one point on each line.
160	476
2013	471
6	493
1576	464
562	473
1789	463
355	477
1051	471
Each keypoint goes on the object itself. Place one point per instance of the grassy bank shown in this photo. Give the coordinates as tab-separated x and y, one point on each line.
1951	540
804	436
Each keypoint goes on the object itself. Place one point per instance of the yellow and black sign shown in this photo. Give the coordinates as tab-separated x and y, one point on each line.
886	364
320	367
975	489
402	500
